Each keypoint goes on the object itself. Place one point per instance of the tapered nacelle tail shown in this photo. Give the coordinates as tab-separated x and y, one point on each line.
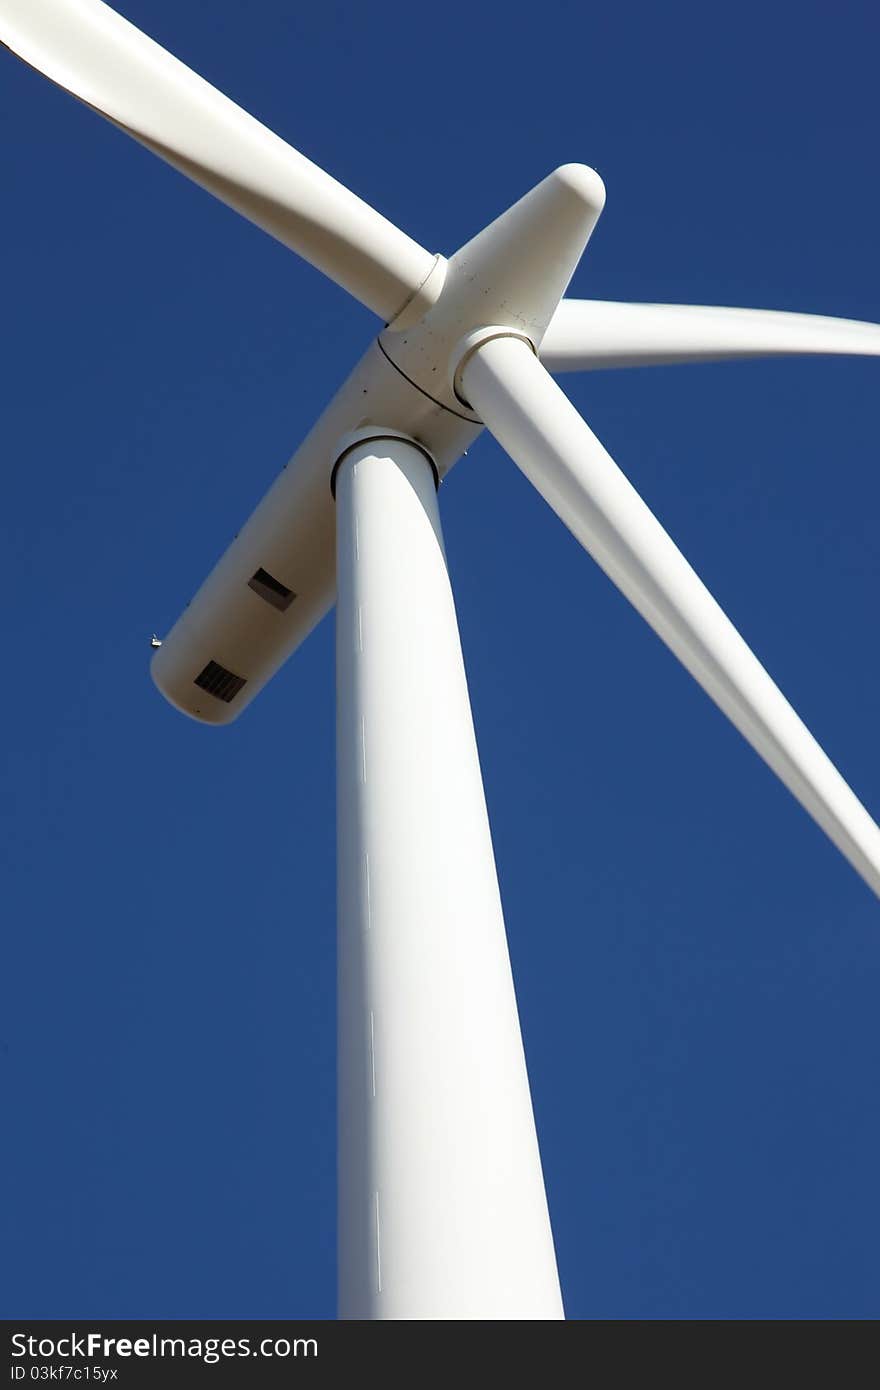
272	585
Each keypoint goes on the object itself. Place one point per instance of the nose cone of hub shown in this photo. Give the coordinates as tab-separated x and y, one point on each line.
524	260
512	274
583	182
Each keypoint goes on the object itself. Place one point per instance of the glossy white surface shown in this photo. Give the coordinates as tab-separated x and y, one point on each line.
541	430
514	273
442	1212
590	333
97	56
291	534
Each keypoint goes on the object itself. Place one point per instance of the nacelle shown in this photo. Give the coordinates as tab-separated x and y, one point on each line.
277	579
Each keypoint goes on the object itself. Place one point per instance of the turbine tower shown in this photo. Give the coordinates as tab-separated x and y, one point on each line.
442	1210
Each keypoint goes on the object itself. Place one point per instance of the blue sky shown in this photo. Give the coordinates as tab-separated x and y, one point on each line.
697	968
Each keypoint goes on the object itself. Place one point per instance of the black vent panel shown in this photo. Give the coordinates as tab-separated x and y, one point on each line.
222	684
271	589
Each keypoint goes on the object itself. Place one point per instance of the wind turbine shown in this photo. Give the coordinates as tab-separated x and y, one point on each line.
442	1211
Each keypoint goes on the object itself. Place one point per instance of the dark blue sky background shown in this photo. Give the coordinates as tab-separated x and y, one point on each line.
697	967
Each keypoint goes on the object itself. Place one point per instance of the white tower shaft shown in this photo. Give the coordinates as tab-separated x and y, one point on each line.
442	1212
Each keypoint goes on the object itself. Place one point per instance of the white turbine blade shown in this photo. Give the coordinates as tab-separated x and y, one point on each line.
97	56
589	333
541	430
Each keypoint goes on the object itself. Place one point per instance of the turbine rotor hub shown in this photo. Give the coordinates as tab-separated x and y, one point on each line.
511	275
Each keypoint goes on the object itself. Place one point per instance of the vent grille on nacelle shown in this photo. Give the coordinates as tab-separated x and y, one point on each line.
271	589
219	682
